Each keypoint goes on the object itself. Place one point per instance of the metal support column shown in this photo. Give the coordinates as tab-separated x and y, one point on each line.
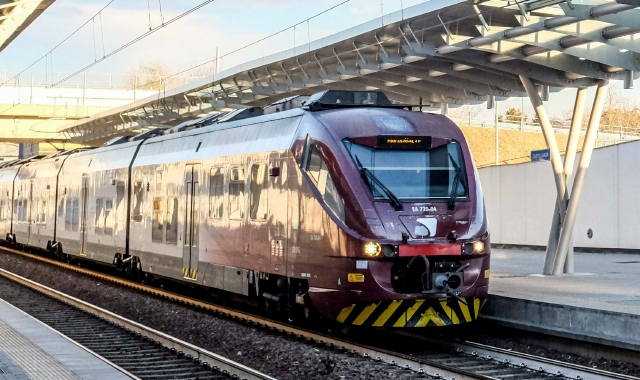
569	160
578	183
217	66
495	106
547	131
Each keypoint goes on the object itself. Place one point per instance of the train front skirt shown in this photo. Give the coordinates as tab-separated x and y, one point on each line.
412	313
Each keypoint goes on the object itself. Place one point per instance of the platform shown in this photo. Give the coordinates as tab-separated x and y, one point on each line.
600	303
32	350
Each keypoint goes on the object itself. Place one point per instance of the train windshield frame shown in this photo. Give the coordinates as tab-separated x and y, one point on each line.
412	175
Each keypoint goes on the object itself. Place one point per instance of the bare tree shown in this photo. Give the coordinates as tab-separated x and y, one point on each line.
152	76
202	71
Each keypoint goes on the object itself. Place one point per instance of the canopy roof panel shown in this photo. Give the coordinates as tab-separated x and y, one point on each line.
16	16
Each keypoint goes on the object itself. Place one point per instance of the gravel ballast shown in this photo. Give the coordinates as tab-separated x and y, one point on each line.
265	351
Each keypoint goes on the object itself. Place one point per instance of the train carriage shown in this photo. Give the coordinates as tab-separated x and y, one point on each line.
351	206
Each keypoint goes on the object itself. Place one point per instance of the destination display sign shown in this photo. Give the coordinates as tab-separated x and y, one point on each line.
409	142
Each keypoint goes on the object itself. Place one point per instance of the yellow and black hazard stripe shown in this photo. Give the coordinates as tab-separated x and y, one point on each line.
412	313
191	274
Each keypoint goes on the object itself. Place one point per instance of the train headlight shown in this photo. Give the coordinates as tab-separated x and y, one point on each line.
475	247
372	249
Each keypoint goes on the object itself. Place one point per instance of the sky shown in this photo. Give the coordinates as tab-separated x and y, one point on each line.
228	24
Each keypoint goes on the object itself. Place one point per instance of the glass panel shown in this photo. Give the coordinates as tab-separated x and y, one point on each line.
119	198
75	219
172	221
138	194
61	208
99	216
23	210
216	192
188	214
68	215
258	192
317	168
196	214
236	194
43	212
333	199
158	181
315	162
415	175
108	216
158	220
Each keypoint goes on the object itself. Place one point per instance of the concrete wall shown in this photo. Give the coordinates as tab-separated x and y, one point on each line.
520	200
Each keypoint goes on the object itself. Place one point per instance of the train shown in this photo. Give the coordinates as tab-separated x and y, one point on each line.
341	204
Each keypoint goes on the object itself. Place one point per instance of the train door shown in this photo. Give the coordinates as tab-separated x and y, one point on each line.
278	198
191	222
29	207
83	216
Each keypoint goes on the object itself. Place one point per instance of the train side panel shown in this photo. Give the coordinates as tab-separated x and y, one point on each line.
92	202
34	201
7	176
231	214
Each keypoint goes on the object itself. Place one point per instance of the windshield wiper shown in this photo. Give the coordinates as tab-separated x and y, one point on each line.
453	195
364	172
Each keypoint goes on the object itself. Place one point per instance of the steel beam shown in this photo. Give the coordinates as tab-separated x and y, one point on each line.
578	183
547	131
569	159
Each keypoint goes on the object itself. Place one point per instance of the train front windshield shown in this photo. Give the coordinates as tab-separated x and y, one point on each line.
412	175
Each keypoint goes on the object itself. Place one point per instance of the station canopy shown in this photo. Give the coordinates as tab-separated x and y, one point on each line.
16	15
442	52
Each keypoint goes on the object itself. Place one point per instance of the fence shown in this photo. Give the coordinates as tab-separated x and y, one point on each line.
93	80
607	134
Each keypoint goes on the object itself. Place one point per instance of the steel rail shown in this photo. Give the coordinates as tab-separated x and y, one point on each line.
224	364
435	368
550	366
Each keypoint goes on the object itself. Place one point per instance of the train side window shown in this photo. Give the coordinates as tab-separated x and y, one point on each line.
68	215
99	216
138	194
120	205
258	192
315	163
43	211
75	220
157	228
216	192
61	208
236	193
318	169
108	216
36	214
171	234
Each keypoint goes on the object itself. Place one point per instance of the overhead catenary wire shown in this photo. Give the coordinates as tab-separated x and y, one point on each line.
253	43
105	56
137	39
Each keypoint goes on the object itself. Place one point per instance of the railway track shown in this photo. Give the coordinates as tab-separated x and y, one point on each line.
139	350
423	357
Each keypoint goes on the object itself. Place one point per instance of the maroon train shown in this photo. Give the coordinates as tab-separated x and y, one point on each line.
351	206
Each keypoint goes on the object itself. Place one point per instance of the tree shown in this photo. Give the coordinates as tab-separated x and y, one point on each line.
152	76
512	116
